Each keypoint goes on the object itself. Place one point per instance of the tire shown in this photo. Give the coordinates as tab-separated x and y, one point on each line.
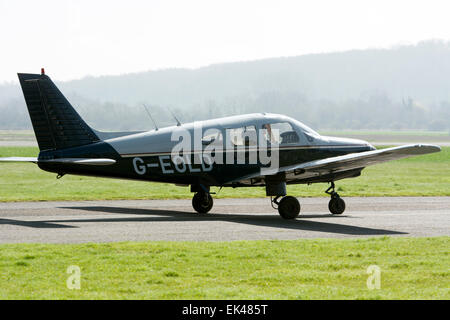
289	207
336	205
202	203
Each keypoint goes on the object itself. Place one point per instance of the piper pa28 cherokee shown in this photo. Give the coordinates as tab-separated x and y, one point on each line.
262	150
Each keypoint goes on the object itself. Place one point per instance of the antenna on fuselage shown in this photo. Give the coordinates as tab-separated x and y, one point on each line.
150	116
176	119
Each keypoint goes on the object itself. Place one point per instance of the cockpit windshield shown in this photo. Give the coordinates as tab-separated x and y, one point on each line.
306	129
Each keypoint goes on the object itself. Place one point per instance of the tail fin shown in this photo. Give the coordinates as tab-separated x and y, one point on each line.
55	122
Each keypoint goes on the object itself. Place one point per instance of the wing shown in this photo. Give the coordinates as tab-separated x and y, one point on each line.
363	159
80	161
353	162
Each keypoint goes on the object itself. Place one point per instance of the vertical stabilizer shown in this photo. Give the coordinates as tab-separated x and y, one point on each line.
55	122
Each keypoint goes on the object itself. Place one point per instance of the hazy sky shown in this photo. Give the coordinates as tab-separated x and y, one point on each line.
75	38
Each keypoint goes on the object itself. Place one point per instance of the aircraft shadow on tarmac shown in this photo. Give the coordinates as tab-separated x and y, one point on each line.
34	224
160	215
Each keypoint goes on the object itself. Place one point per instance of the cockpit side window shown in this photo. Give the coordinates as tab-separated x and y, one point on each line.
280	132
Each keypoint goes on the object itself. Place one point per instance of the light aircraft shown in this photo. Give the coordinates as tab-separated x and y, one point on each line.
69	146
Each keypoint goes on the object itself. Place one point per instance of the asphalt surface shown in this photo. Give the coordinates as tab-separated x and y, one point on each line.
230	219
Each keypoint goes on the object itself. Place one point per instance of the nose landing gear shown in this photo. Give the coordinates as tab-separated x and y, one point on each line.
336	204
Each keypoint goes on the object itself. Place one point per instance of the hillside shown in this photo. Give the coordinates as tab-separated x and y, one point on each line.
404	87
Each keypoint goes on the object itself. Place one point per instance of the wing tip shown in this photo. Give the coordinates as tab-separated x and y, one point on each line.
429	148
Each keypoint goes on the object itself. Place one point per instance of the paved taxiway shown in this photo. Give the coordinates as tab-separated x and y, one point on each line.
231	219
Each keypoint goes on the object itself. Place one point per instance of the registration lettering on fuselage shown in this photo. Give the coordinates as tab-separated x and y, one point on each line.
167	165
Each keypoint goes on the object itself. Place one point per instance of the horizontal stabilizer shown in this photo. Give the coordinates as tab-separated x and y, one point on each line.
19	159
80	161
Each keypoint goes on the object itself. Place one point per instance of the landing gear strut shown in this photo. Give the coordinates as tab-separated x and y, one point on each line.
202	202
336	204
288	207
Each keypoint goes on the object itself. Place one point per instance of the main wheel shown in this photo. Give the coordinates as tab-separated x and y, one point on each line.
336	205
202	202
289	207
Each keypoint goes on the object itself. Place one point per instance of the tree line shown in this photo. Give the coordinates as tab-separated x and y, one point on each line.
403	87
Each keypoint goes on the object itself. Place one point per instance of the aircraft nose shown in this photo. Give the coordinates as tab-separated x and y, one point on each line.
371	147
366	145
361	145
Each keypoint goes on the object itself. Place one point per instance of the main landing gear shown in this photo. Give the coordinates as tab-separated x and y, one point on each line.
336	204
202	202
288	207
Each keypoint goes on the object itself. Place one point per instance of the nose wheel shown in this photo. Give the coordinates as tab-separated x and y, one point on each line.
336	204
202	202
288	207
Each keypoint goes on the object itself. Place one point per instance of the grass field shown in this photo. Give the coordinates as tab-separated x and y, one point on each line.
396	137
393	133
427	175
411	268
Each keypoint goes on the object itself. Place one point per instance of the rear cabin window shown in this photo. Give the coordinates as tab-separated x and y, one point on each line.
245	136
211	136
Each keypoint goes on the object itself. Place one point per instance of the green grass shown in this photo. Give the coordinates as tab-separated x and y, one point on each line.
427	175
411	268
